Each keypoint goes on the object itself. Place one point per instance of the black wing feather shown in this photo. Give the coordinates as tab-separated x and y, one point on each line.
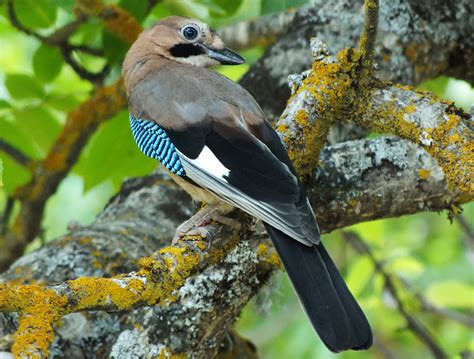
253	168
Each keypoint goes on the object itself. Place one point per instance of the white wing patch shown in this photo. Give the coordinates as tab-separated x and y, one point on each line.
208	162
207	171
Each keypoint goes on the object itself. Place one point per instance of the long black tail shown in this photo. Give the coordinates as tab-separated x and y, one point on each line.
333	311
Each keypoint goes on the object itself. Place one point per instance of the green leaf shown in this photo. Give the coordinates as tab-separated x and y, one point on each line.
11	133
229	7
47	63
14	175
67	5
408	266
137	8
63	102
4	104
39	126
186	8
452	294
22	86
359	275
215	9
88	33
114	47
112	154
35	13
269	6
160	11
1	172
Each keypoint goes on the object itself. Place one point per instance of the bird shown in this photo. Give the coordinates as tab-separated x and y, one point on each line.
216	143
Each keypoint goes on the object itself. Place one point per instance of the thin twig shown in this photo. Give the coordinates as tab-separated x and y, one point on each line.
60	38
384	350
5	218
15	153
427	306
413	324
369	33
96	78
19	26
62	34
467	228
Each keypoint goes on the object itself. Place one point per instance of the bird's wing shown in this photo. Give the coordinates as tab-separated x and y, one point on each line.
231	151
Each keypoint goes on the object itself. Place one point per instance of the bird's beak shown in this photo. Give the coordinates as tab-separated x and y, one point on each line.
225	56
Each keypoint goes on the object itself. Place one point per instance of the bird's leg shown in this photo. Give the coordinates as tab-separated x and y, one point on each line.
197	224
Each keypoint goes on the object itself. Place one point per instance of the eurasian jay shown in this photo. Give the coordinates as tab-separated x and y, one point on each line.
213	138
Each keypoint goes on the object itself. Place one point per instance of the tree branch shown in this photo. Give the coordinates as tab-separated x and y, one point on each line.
426	306
5	217
331	92
443	130
17	155
416	41
80	125
120	242
182	275
261	31
414	325
115	19
369	34
49	172
60	38
95	78
347	191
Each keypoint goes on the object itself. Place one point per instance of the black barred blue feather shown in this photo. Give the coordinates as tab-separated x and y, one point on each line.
155	143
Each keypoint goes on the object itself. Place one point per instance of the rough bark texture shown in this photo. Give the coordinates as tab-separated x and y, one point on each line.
417	40
357	181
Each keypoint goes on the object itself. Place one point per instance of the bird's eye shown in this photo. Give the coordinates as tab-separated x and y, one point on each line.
190	32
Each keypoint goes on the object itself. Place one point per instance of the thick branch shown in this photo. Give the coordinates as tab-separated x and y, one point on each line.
115	19
261	31
438	126
331	93
124	232
365	180
360	181
417	40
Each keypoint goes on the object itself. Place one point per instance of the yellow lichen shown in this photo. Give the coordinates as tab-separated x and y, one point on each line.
39	309
450	143
331	86
268	255
410	109
424	174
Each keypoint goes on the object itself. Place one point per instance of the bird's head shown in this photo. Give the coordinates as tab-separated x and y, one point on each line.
187	41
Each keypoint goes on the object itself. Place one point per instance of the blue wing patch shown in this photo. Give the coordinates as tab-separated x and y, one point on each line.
155	143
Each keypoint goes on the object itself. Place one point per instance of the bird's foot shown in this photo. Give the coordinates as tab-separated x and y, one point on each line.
197	224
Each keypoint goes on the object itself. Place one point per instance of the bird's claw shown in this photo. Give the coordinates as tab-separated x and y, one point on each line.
198	224
201	231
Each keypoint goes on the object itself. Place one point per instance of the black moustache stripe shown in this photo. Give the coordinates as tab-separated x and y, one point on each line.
186	50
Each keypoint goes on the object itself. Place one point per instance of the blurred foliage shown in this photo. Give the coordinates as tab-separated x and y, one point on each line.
38	88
